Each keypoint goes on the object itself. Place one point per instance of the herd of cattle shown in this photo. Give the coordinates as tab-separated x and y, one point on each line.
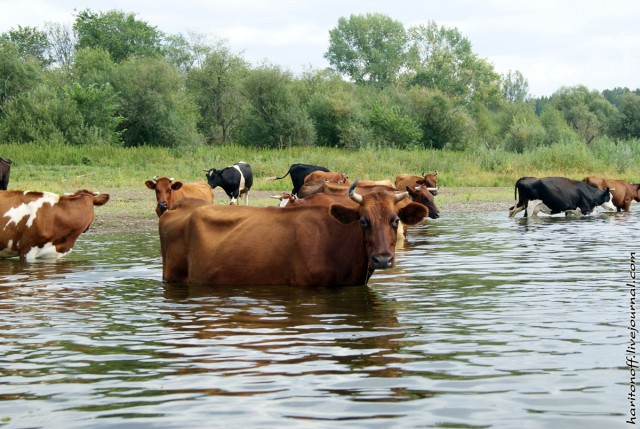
354	227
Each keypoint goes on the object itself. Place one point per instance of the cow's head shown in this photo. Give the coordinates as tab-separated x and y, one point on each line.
422	195
163	186
636	191
429	180
213	177
379	218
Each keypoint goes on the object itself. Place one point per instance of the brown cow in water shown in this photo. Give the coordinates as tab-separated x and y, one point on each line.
44	225
428	180
302	246
169	192
326	176
419	192
5	169
622	192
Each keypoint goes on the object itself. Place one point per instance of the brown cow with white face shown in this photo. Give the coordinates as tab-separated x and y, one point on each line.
169	192
44	225
622	192
302	246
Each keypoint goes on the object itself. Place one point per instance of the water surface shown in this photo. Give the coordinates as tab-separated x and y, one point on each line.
485	322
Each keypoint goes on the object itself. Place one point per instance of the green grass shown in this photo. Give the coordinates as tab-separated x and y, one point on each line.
63	168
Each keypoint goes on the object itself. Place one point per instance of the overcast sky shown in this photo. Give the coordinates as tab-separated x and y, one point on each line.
553	43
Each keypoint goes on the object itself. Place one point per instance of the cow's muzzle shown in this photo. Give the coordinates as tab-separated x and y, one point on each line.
162	207
381	261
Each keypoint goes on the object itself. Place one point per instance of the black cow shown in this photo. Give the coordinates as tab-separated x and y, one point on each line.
235	179
553	195
5	168
298	172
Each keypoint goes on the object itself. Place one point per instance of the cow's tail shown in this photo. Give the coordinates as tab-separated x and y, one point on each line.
278	178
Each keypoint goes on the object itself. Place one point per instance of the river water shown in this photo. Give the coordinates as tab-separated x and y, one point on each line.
486	322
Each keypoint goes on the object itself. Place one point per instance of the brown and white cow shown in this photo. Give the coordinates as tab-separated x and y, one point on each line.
302	246
5	169
42	224
169	192
622	192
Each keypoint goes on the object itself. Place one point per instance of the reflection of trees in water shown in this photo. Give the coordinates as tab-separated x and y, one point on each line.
287	330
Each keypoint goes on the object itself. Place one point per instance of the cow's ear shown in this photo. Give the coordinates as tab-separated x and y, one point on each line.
150	184
412	213
344	214
176	185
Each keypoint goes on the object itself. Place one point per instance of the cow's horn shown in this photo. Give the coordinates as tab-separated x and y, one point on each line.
155	178
417	188
400	196
424	174
612	189
432	189
353	194
436	173
171	179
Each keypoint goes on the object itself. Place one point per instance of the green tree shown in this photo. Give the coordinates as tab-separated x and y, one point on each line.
586	111
626	122
442	58
17	74
514	87
275	117
154	104
119	33
368	49
30	42
61	44
216	88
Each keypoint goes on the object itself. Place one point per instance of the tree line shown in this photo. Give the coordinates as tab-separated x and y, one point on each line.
113	79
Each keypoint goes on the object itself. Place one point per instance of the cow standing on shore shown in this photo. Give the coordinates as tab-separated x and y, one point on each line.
236	180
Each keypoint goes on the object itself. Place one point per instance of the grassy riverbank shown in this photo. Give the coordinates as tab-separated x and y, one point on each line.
481	180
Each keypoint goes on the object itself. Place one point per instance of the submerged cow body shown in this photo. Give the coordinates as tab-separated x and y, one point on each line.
302	246
169	192
5	169
298	172
622	192
236	180
552	195
42	224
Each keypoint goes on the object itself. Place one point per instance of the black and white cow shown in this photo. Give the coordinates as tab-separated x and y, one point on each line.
553	195
298	172
235	179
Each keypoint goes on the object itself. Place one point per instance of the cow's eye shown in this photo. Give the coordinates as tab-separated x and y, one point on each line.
395	222
364	223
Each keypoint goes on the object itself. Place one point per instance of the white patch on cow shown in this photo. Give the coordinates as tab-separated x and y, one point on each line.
537	206
233	201
30	209
241	187
8	251
577	212
47	251
515	210
608	206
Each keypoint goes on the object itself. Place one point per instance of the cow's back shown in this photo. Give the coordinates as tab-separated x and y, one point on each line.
270	245
199	190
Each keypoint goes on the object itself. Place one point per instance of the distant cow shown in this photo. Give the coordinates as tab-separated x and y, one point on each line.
419	192
302	246
44	225
236	180
622	191
5	169
321	186
169	192
553	195
428	180
298	172
327	176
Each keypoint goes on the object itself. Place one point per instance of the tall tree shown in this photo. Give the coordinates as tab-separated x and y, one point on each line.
119	33
216	88
61	44
514	87
442	58
368	49
626	123
30	42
